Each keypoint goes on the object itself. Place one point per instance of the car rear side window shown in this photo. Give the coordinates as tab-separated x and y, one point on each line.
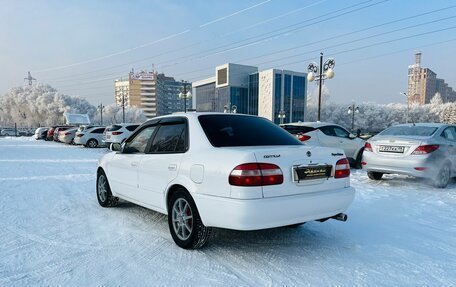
449	133
422	131
113	128
98	131
239	130
132	128
169	138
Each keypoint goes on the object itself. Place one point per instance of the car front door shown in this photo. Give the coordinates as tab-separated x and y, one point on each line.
162	162
123	167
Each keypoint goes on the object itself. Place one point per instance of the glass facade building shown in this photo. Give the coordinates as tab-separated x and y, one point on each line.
265	93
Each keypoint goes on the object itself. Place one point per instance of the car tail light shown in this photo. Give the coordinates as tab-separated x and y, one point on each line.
342	168
304	138
67	134
420	168
256	174
367	147
425	149
80	135
116	133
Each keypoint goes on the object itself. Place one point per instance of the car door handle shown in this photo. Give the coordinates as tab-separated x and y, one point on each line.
134	163
172	167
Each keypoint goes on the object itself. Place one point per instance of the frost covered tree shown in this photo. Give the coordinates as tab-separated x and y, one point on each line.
112	114
40	104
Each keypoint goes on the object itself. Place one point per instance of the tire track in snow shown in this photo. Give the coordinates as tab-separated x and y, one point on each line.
83	176
49	160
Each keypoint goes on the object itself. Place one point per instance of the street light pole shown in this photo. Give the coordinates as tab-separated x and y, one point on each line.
408	106
281	116
123	107
320	82
101	108
185	94
323	71
352	110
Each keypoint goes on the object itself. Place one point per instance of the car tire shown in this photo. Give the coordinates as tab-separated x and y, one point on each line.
104	195
443	177
92	143
185	224
359	159
374	175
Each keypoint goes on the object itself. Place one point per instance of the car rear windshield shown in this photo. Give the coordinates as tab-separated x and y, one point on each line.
409	131
113	128
238	130
292	129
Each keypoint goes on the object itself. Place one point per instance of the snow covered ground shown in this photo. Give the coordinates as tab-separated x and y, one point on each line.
400	232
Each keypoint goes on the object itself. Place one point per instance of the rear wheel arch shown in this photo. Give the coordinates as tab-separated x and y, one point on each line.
172	189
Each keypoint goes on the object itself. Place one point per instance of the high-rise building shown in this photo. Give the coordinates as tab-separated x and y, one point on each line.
423	84
266	93
156	94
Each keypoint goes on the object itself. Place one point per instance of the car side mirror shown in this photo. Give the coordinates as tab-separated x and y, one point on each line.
351	136
115	147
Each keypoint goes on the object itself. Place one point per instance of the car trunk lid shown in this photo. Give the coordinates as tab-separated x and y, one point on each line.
395	146
305	169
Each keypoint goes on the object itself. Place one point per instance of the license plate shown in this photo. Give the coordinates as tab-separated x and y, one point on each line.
391	148
311	172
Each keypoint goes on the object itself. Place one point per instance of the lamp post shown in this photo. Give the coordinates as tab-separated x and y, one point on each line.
123	106
230	109
320	73
281	116
408	106
352	110
100	107
185	94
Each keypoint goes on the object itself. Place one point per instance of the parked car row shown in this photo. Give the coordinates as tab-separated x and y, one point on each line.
424	150
91	136
8	132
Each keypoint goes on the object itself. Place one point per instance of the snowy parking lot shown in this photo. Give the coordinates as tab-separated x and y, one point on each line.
400	232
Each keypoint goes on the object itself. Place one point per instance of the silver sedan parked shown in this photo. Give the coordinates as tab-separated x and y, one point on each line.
422	150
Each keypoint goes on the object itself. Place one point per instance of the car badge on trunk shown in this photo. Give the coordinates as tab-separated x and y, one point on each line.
309	154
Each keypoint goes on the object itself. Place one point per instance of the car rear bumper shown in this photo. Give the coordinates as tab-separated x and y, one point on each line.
406	166
254	214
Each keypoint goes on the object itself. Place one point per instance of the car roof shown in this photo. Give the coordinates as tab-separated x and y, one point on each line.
311	124
193	114
423	125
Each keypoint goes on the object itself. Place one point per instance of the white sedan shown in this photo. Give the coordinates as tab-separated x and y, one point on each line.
329	135
224	170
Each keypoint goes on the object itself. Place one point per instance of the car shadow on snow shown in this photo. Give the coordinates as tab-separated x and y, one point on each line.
310	235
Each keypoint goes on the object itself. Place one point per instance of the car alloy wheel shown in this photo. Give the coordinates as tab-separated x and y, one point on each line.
182	218
185	224
92	143
104	194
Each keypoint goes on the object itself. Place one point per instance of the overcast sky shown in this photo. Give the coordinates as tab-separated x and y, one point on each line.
80	47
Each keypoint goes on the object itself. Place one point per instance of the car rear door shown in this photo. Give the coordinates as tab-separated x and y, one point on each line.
162	162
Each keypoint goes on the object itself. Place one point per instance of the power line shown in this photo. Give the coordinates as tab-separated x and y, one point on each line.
148	44
283	31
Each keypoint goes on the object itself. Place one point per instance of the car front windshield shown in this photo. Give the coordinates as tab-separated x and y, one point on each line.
238	130
422	131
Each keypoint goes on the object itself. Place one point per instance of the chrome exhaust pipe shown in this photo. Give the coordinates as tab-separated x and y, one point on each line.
341	217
